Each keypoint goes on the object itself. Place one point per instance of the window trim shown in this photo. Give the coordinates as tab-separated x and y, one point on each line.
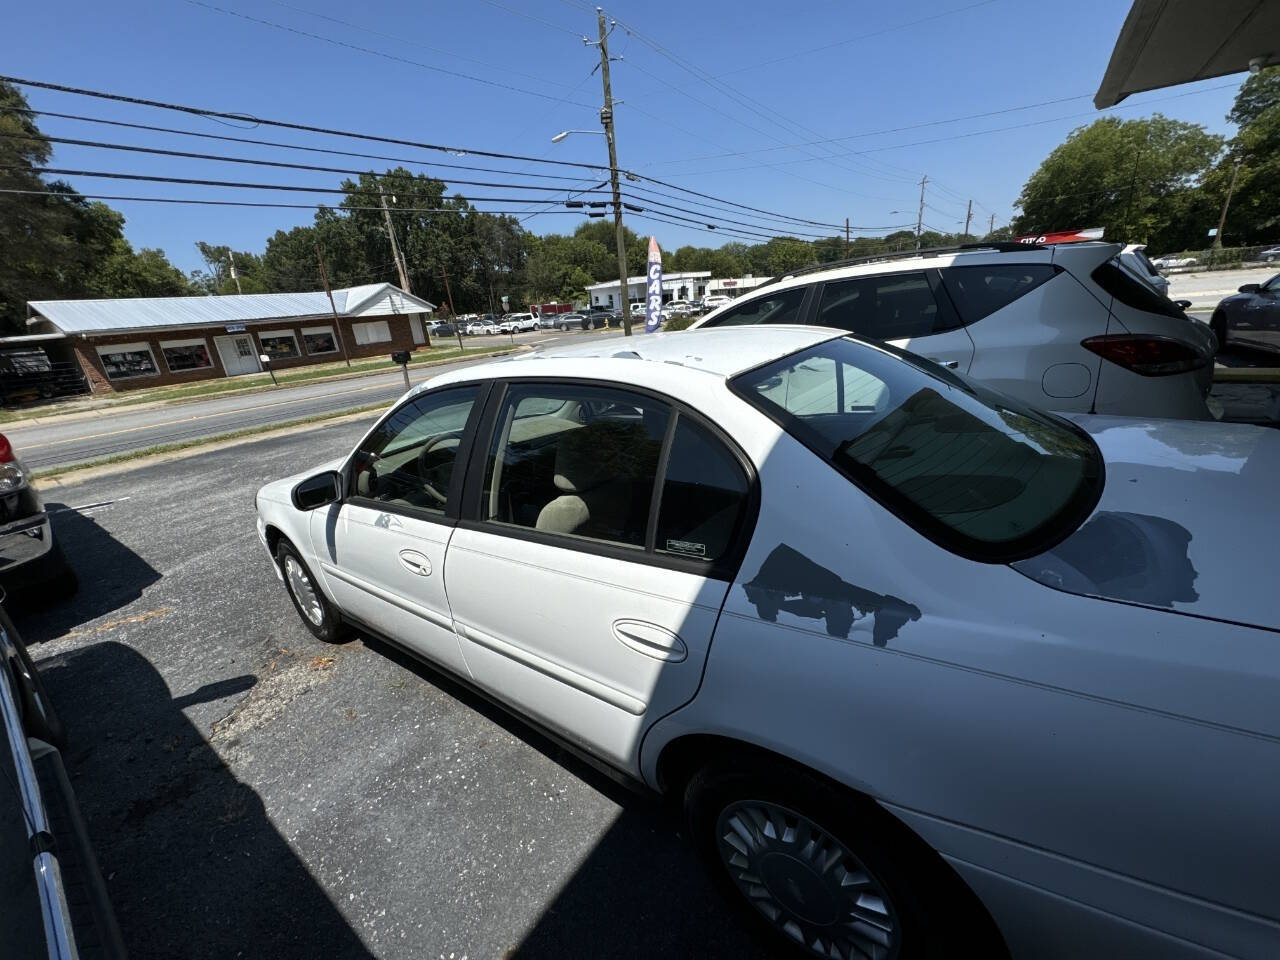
390	338
318	331
190	342
280	334
457	483
947	312
913	516
134	347
724	568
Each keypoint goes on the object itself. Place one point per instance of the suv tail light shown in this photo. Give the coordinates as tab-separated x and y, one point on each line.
6	449
1146	355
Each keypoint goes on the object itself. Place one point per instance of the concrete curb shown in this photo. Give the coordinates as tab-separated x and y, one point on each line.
89	414
1246	375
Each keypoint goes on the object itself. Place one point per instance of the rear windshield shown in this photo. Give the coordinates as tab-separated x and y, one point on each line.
1133	292
972	469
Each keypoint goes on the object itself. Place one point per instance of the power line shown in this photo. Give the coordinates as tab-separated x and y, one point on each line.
577	34
383	54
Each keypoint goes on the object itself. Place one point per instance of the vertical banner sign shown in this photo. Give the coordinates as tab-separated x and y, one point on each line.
653	288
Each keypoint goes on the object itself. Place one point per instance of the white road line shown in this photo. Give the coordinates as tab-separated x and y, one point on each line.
90	506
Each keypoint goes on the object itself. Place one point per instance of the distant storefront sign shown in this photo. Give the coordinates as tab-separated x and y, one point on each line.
235	328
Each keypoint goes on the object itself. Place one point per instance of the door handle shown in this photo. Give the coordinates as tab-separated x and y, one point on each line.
949	364
650	639
415	563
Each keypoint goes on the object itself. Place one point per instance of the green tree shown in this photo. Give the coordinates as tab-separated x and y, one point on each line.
1134	178
146	273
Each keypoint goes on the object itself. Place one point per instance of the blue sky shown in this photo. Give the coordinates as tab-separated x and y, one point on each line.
716	95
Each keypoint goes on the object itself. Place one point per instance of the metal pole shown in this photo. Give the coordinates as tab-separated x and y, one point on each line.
991	225
846	237
234	276
1222	220
606	118
395	247
337	323
444	272
967	217
920	216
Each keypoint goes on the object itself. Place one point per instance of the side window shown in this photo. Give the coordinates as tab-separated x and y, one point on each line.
408	460
1133	293
979	291
704	496
579	461
893	306
780	307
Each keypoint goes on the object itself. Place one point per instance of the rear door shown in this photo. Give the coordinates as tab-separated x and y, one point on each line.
590	565
1259	323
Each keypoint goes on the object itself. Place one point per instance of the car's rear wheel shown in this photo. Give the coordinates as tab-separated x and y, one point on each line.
590	324
825	873
315	610
1218	324
564	328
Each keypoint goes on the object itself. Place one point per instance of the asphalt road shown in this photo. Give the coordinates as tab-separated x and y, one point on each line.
1204	289
253	792
69	442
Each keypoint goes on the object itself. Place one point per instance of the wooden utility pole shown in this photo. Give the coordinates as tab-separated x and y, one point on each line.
991	225
920	215
606	118
444	272
967	217
1222	220
234	276
337	324
846	237
395	246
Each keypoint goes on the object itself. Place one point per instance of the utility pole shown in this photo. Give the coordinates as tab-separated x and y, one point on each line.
395	247
991	225
967	217
846	238
234	276
606	118
444	272
337	325
920	215
1222	220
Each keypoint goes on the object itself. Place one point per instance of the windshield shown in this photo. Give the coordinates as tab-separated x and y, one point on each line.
972	469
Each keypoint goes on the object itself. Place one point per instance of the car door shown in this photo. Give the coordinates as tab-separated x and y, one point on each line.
382	548
907	310
592	558
1259	323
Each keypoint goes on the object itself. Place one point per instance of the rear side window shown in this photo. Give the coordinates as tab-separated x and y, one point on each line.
1132	292
704	496
780	307
972	469
979	291
896	306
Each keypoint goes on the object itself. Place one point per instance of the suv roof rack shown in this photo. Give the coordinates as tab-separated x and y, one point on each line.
1000	246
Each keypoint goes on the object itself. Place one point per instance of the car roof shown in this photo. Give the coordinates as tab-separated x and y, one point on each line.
719	352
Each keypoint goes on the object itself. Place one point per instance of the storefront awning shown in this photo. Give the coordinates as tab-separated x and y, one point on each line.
1167	42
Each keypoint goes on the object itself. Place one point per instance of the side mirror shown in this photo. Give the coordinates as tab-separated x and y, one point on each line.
318	491
1250	288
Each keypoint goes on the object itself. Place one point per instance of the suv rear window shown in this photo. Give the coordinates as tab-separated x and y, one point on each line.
980	290
1133	293
971	469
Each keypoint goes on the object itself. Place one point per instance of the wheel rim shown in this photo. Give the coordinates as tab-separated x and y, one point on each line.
805	882
303	592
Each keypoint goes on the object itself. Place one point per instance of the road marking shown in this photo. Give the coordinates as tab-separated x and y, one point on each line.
206	416
91	506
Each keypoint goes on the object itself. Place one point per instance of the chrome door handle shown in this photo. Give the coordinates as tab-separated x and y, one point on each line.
949	364
415	563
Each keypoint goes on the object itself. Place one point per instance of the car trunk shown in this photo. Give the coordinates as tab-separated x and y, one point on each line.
1187	522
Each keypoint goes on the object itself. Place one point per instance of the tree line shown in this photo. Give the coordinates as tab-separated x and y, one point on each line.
1154	180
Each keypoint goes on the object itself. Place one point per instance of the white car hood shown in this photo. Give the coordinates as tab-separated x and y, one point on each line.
1188	521
280	490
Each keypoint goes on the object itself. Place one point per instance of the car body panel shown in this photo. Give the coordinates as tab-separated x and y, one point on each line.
1253	318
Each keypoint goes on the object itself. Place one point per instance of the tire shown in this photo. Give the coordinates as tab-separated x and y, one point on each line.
912	904
1218	324
589	325
315	612
564	328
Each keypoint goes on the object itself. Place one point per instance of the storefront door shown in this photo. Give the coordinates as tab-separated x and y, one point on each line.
237	354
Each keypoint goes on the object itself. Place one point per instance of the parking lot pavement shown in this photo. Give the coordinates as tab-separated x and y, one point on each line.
252	792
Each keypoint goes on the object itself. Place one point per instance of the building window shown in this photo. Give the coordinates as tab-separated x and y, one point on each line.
319	340
279	344
124	360
376	331
182	355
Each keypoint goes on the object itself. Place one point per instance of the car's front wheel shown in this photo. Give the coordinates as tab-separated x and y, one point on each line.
825	873
315	610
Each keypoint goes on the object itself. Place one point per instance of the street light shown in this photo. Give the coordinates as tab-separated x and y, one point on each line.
564	133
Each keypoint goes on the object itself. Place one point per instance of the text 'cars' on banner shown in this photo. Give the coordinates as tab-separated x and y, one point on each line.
653	288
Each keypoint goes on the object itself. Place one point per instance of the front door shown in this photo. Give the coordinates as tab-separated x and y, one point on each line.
238	355
580	597
1260	324
382	548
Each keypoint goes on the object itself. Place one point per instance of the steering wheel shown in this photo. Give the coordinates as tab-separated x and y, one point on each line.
429	467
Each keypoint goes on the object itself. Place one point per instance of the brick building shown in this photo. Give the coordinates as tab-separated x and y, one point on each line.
146	342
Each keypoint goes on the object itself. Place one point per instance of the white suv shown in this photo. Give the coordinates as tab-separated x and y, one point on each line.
1063	327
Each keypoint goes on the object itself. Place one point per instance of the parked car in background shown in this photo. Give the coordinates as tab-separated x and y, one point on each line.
1061	326
55	902
563	321
1164	263
715	301
924	665
31	561
484	326
677	308
1250	317
524	322
598	320
1270	256
1134	258
444	329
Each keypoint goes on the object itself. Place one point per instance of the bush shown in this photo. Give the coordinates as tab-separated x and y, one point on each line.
677	323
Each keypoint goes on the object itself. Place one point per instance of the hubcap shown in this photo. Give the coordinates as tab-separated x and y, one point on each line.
806	882
302	590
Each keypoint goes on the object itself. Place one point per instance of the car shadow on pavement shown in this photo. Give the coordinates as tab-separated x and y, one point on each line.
194	867
111	576
640	892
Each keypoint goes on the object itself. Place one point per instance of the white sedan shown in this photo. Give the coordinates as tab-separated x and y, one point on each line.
931	672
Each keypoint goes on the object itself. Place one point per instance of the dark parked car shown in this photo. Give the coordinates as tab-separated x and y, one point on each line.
444	330
55	903
594	321
1250	317
29	557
